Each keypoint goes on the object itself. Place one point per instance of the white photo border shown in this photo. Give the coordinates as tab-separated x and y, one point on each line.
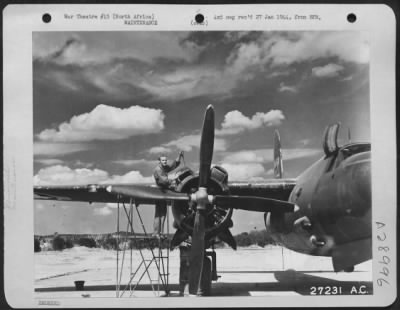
20	21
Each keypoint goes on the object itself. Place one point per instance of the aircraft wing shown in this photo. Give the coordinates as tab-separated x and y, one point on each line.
141	193
267	196
278	189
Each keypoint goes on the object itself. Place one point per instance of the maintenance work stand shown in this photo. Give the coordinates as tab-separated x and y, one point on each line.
152	262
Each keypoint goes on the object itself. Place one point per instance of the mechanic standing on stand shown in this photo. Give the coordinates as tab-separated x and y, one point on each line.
161	178
184	253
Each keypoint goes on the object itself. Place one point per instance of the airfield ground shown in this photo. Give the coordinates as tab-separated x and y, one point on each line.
269	271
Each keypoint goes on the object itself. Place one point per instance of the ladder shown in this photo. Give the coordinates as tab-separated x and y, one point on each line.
153	258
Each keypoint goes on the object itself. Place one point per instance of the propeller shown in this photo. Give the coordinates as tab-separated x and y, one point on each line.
198	242
202	202
250	203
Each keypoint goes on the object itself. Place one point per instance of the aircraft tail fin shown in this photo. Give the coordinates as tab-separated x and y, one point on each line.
278	164
330	143
349	135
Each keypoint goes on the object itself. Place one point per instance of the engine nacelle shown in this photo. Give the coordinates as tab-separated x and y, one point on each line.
217	218
275	222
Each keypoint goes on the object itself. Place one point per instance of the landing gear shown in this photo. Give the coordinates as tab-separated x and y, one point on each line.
209	273
213	257
349	269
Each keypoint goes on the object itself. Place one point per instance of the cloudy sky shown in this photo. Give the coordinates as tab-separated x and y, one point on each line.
107	104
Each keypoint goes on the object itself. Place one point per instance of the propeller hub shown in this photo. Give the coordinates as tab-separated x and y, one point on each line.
201	198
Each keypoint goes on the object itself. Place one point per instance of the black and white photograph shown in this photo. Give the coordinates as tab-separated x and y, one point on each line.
237	160
259	142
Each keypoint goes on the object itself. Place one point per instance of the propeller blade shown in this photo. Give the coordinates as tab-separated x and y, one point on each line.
178	238
197	252
226	236
206	147
251	203
149	193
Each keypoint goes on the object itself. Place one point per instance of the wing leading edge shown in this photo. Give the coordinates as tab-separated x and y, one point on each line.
97	193
278	189
271	195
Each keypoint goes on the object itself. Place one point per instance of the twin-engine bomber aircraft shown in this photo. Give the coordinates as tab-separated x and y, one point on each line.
326	211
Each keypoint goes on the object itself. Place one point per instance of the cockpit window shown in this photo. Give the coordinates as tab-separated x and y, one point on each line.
355	149
346	152
350	150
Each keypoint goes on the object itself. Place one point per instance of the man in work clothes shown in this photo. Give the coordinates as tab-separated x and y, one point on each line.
161	178
184	253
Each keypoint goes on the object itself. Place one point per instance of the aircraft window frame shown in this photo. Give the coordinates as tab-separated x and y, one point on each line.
345	152
339	158
356	149
331	163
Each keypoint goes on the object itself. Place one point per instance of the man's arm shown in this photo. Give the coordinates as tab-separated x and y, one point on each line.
177	161
161	180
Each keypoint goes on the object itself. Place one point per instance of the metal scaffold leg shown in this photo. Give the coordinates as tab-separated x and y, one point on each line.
152	259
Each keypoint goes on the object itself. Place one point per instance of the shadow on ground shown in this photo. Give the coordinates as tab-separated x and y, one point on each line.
287	281
292	281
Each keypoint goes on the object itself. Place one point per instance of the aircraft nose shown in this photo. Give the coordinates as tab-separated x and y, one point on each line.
360	169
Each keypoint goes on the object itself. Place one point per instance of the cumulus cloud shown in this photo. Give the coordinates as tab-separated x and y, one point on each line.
285	88
159	150
49	161
63	175
289	154
73	48
187	82
235	122
349	46
269	53
112	205
282	48
244	157
95	47
304	142
101	60
103	211
265	155
244	172
347	78
54	149
233	36
82	164
248	165
327	71
134	162
130	177
247	55
187	143
119	64
107	123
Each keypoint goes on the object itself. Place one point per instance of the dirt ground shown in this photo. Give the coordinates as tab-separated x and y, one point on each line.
254	271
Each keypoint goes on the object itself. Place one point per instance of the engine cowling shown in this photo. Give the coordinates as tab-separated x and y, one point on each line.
275	222
218	219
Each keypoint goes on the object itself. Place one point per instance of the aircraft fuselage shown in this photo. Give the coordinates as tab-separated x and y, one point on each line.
334	200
